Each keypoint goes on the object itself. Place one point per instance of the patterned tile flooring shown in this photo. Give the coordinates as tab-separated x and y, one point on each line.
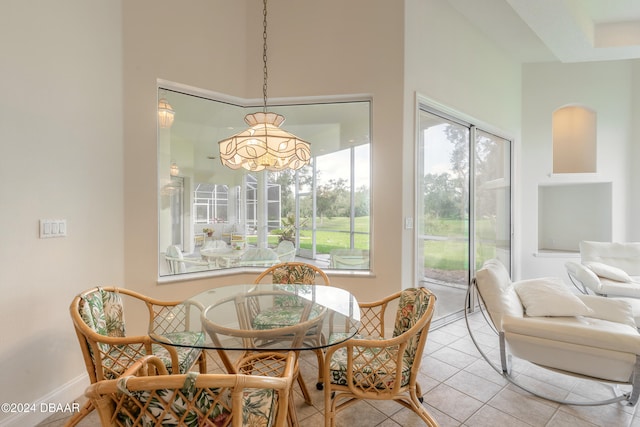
461	389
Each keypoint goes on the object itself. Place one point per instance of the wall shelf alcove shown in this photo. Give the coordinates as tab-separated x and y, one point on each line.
569	213
570	210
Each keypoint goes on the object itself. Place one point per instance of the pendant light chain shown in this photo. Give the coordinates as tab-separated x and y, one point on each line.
264	145
264	55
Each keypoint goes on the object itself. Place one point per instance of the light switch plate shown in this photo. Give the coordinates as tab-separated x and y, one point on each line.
408	223
53	228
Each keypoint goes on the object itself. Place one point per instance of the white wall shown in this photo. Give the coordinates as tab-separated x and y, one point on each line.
604	87
61	158
634	189
453	63
201	43
218	46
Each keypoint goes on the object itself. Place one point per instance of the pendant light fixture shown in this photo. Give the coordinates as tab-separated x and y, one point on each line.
264	145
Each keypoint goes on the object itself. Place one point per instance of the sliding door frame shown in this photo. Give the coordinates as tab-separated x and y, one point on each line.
433	107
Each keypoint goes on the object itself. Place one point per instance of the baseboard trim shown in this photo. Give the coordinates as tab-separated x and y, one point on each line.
57	402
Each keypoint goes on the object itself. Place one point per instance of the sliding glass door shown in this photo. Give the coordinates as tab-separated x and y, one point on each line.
463	206
492	196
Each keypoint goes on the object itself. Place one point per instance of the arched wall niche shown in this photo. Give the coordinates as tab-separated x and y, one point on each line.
574	139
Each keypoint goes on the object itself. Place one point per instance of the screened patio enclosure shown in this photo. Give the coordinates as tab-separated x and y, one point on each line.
219	203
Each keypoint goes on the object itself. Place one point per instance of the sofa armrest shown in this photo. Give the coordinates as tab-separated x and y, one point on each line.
613	310
584	331
584	275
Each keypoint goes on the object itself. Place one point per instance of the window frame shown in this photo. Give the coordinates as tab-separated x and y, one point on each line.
243	204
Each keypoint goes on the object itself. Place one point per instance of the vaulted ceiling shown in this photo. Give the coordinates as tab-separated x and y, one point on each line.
558	30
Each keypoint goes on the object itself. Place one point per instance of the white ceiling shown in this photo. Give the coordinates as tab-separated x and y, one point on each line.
558	30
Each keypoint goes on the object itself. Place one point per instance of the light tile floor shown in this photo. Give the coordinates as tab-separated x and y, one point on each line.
461	389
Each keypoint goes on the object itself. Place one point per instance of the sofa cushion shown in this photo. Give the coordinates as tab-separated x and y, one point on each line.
497	292
581	330
591	356
625	256
549	297
608	271
619	310
621	289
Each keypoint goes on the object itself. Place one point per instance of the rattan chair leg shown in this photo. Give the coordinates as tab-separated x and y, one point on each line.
416	406
202	362
292	416
303	387
320	356
84	411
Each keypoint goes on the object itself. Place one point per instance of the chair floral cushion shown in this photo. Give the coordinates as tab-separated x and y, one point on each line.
103	312
188	352
287	310
375	367
277	317
411	308
119	358
191	406
294	274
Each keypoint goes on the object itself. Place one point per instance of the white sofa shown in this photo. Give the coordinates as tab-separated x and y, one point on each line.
602	342
607	269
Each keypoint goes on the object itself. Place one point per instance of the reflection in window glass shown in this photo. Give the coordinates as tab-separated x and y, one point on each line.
229	219
210	203
492	198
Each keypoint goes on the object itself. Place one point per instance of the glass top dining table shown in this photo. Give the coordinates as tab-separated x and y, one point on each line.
274	317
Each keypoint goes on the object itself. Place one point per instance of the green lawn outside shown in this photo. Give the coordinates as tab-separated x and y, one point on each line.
332	233
342	224
449	254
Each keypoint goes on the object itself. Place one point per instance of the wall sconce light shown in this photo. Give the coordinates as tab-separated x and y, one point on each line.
165	113
174	170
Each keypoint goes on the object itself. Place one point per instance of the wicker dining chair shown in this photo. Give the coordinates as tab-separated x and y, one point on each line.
287	273
145	395
371	366
99	322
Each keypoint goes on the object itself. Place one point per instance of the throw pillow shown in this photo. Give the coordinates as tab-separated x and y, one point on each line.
549	297
608	271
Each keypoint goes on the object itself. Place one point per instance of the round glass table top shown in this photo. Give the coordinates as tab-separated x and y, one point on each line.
276	317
